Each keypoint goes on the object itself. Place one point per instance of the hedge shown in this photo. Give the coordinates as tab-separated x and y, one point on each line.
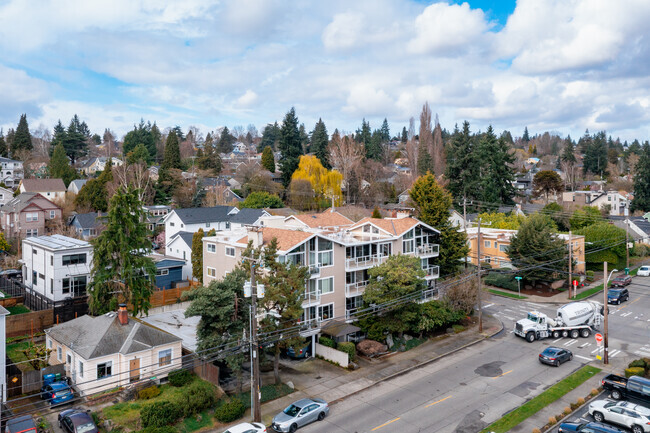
230	411
637	363
195	398
180	377
634	371
501	280
164	429
348	348
160	413
149	392
325	341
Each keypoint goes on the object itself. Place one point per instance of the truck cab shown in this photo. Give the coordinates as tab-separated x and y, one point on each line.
533	326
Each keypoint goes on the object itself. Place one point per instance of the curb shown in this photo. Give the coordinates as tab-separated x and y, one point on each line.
413	367
560	421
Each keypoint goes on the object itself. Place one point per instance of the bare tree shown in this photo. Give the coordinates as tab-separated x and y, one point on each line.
345	154
109	143
41	140
462	294
135	175
426	131
239	133
253	131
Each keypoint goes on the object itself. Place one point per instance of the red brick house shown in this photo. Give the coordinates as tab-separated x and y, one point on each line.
29	214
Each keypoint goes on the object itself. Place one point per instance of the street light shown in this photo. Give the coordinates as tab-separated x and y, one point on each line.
606	311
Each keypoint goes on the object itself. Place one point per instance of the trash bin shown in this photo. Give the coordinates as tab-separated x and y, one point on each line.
627	271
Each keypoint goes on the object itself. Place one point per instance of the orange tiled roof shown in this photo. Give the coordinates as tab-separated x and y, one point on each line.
287	239
324	219
394	226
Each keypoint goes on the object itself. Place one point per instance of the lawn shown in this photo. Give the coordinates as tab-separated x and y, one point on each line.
269	392
508	294
538	403
18	309
589	292
16	353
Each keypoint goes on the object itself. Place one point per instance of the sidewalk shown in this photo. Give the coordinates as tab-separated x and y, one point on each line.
318	378
561	297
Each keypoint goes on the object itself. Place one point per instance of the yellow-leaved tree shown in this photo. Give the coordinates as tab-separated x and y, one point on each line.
326	184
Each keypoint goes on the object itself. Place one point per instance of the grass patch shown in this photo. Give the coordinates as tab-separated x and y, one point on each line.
197	422
589	292
123	414
16	353
507	294
538	403
18	309
269	392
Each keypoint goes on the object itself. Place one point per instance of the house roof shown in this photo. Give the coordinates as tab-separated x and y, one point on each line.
248	216
198	215
22	201
38	185
3	159
56	242
79	183
323	219
287	239
87	220
93	337
185	237
394	226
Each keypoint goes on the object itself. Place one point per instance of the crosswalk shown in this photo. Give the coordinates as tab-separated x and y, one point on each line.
644	351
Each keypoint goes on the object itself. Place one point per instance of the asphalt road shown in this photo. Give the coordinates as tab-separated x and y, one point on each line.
466	391
582	415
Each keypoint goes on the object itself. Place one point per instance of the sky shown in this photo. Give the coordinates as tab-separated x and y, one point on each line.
552	65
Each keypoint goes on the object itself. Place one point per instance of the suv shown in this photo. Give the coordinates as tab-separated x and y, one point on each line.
617	295
624	413
592	427
644	271
57	393
622	281
21	424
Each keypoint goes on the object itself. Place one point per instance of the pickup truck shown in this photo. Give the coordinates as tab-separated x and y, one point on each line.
636	388
21	424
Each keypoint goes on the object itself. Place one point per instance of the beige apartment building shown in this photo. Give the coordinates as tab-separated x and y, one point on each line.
338	257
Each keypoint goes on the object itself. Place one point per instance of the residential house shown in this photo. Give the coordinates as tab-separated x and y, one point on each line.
169	271
56	267
324	220
192	219
404	197
156	215
456	219
87	225
98	164
495	243
616	202
221	189
638	227
338	258
29	214
112	350
6	195
11	172
51	189
76	185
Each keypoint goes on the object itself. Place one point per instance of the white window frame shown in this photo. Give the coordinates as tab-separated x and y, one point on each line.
31	217
81	369
212	272
59	353
230	252
52	214
487	244
320	285
503	248
162	272
211	248
320	311
107	365
160	352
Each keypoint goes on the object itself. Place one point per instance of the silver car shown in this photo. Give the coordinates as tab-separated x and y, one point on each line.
624	413
300	413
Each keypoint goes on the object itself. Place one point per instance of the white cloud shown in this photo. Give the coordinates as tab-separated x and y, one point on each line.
247	100
364	100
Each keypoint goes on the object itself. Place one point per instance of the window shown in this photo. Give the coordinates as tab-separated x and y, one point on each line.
326	285
503	248
104	369
366	228
51	286
52	214
212	248
52	260
68	359
59	353
207	224
76	285
407	246
31	233
487	244
171	224
74	259
162	272
81	369
227	225
488	259
326	311
34	278
31	216
49	344
212	272
165	357
326	258
230	252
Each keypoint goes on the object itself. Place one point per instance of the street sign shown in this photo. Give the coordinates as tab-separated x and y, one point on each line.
575	283
518	278
599	338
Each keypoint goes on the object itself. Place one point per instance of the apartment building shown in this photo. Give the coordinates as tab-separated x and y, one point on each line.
338	258
11	172
615	201
495	243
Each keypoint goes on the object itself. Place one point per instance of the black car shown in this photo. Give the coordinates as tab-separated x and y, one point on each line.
555	356
591	427
12	274
77	421
622	281
618	295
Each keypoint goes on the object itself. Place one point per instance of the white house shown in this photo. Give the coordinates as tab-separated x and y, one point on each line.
193	219
51	189
76	185
111	350
5	195
3	352
56	266
11	172
180	246
98	164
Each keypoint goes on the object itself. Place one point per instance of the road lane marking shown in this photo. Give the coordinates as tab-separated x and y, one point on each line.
614	353
385	424
583	345
626	314
570	342
508	317
536	305
628	304
584	357
595	350
502	374
488	305
436	402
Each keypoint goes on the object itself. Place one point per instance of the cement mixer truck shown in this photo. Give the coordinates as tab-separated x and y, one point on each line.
573	320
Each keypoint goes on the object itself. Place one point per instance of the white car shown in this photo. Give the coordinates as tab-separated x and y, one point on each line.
247	428
623	413
644	271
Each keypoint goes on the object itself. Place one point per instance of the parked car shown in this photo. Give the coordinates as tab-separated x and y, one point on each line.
622	281
299	352
21	424
644	271
77	421
246	427
300	413
12	274
57	393
555	356
590	427
618	295
636	388
624	413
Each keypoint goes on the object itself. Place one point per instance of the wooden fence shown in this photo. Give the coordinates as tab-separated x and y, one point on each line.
160	298
28	323
12	302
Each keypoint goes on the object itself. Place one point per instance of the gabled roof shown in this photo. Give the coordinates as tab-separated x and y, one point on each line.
38	185
248	216
23	200
3	159
93	337
393	226
184	236
78	183
323	219
287	239
199	215
87	220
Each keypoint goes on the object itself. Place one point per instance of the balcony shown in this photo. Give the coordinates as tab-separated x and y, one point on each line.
431	272
311	297
350	315
314	271
363	262
428	250
355	289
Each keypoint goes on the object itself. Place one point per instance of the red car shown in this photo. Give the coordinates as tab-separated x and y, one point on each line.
621	281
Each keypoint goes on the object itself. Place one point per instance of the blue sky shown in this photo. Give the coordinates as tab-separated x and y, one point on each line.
551	65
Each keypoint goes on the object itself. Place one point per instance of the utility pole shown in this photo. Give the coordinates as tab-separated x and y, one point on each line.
255	378
478	274
627	244
605	314
465	222
571	267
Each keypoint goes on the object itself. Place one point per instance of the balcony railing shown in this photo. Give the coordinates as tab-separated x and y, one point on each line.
432	272
355	289
311	296
428	250
350	314
364	262
314	271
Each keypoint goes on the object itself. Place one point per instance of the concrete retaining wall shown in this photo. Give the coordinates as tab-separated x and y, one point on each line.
341	358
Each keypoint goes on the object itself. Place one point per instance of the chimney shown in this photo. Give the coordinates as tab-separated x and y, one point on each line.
255	234
123	315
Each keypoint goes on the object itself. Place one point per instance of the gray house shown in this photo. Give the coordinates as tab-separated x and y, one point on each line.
87	225
76	185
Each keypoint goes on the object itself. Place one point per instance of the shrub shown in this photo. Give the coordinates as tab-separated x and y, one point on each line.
567	410
160	413
500	280
150	392
163	429
594	392
634	371
325	341
180	377
637	363
536	430
552	420
198	396
581	401
590	275
348	348
230	411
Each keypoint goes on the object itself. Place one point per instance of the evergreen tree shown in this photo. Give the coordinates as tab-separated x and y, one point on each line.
496	175
94	194
595	160
22	139
376	213
156	139
304	138
3	145
525	138
547	182
59	136
179	133
75	139
319	142
289	146
141	133
270	137
425	164
374	149
462	165
197	255
268	160
405	135
385	131
226	141
139	154
432	206
568	154
59	167
9	138
641	200
172	155
120	264
208	158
